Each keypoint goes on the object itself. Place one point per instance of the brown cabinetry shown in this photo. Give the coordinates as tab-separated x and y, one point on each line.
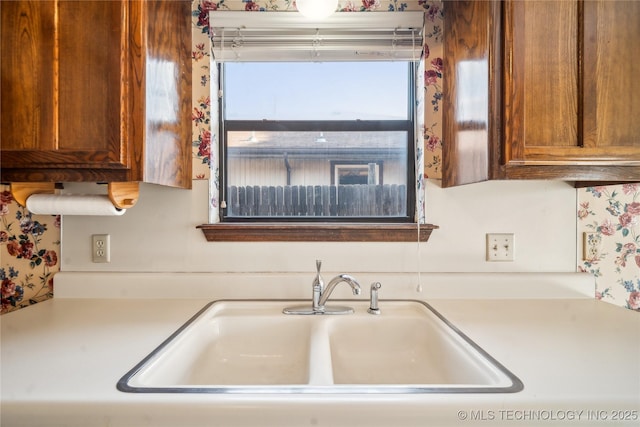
96	91
571	91
564	97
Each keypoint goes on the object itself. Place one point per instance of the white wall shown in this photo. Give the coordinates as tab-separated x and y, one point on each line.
159	234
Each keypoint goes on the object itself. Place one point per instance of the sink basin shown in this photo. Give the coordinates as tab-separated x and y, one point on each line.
411	351
230	344
252	347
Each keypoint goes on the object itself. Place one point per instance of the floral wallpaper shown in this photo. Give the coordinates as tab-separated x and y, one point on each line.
433	52
30	245
613	213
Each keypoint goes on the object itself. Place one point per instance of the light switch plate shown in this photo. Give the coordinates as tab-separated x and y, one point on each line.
500	247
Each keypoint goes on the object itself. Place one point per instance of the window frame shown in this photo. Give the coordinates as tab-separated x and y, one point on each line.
408	125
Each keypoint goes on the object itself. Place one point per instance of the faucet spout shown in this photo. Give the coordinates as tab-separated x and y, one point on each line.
350	280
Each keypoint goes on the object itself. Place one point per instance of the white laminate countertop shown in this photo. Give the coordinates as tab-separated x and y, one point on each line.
579	360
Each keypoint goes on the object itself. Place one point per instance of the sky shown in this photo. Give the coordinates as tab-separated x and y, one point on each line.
316	90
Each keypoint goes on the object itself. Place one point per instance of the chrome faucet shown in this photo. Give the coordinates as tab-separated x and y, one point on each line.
318	304
321	294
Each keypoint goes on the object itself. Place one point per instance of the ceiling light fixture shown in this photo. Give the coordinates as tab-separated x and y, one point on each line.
316	9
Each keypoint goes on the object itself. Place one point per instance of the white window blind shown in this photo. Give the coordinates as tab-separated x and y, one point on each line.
288	36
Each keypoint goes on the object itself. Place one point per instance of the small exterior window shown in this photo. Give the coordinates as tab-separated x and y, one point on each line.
356	172
317	141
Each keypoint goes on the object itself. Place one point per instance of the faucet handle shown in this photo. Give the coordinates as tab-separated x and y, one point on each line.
318	287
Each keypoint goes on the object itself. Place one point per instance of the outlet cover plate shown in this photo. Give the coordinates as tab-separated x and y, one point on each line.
100	248
500	247
591	246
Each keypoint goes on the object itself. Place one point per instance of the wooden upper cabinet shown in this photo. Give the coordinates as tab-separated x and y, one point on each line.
559	82
571	90
96	91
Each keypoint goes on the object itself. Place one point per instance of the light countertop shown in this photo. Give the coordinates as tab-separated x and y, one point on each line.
579	360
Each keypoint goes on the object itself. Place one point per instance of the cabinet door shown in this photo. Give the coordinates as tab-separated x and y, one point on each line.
470	89
62	90
27	33
612	78
91	72
571	90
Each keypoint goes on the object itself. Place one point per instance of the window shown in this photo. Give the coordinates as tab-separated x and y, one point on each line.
320	141
308	112
356	173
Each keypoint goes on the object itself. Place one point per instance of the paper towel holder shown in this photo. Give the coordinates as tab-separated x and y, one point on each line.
123	195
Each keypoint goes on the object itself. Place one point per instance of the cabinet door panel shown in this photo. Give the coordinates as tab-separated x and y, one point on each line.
27	41
63	104
168	93
612	71
90	77
467	63
542	85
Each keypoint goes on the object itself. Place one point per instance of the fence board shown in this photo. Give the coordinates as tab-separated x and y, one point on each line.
279	200
263	205
249	201
325	211
288	201
379	205
333	200
309	202
317	200
233	204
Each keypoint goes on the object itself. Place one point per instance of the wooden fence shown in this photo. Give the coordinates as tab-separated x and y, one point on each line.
318	200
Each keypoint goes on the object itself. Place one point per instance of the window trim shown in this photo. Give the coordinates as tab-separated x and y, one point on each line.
216	231
316	232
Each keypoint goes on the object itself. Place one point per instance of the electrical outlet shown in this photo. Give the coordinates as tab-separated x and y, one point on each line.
500	247
591	246
100	248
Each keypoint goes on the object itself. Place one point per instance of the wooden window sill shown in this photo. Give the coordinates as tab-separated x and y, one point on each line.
315	232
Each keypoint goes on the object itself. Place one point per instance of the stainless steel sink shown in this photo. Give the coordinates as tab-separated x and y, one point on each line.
251	347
